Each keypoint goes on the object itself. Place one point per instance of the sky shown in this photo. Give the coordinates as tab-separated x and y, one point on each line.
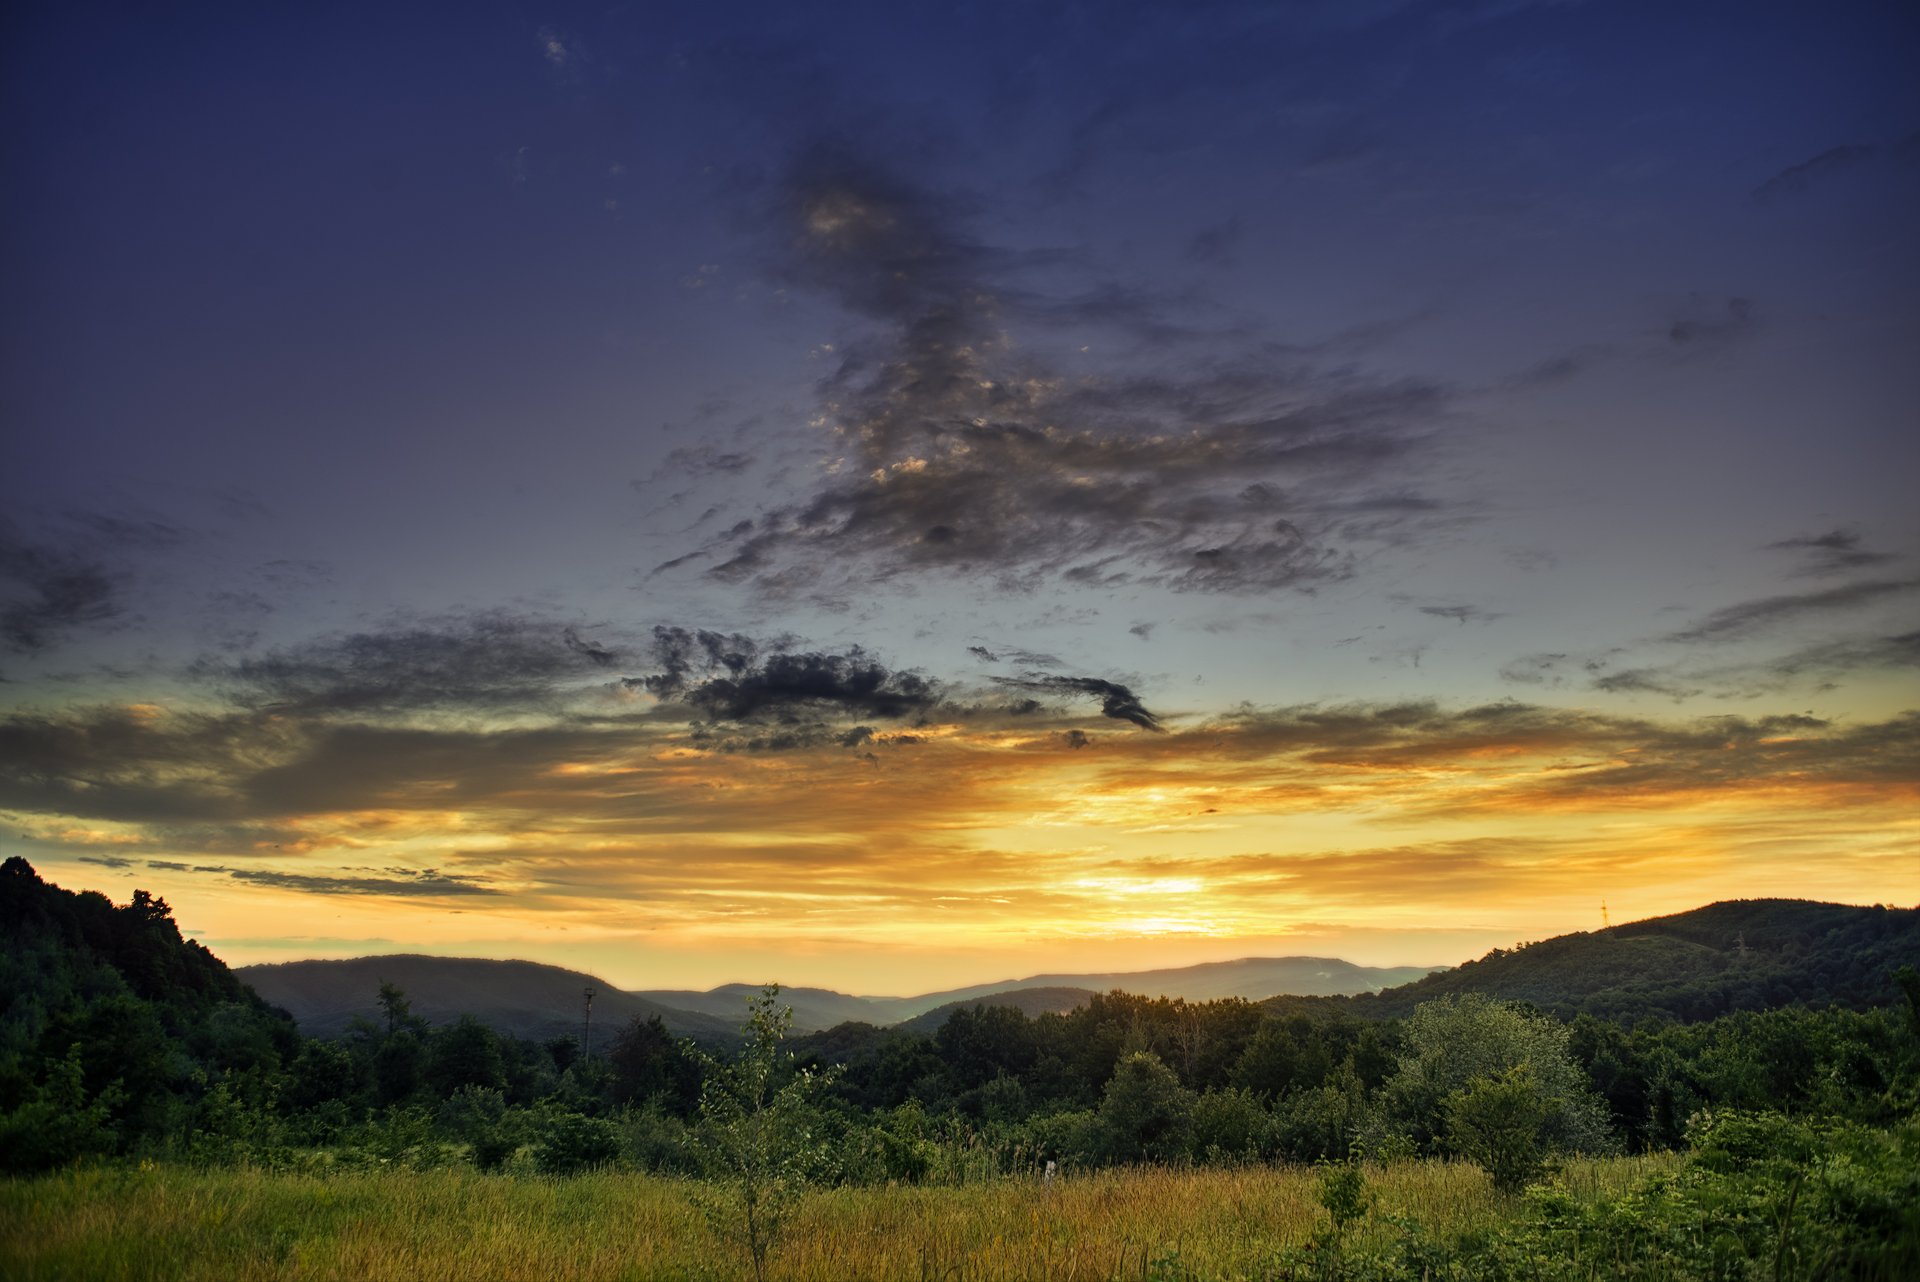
894	496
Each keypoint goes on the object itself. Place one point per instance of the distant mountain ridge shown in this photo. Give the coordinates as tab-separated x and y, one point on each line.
527	999
1732	955
531	999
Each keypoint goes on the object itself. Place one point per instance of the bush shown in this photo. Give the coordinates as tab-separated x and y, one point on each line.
570	1143
1496	1123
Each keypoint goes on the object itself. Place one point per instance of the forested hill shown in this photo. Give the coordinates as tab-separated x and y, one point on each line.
120	993
526	999
1743	954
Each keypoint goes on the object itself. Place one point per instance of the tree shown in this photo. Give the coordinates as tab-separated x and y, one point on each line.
1496	1122
756	1132
393	1001
1454	1042
467	1054
1145	1111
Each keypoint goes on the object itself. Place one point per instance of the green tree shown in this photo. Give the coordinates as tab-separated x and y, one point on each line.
1496	1123
467	1054
758	1133
1145	1112
394	1004
1454	1042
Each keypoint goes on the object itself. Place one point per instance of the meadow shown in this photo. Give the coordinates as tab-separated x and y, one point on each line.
160	1221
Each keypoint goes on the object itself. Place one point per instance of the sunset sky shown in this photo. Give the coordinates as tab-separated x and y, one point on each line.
891	496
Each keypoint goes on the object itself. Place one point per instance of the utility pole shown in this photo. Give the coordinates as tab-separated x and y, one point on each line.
587	1051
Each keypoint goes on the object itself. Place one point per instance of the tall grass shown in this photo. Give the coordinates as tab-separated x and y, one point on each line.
174	1222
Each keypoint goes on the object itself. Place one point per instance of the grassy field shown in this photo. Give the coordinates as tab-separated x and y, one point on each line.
172	1222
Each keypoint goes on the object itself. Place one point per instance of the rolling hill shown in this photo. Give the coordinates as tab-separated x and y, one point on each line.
1253	978
529	999
526	999
1743	954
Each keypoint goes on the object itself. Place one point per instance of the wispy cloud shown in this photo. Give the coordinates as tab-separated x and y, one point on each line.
1834	552
496	660
1745	618
956	452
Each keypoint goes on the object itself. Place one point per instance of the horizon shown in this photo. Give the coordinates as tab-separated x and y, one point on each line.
886	496
709	987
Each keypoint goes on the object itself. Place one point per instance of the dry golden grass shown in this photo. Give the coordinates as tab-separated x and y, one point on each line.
459	1225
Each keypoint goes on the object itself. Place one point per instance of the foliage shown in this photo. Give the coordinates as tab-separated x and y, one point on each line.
1145	1111
570	1143
756	1133
1497	1123
1454	1042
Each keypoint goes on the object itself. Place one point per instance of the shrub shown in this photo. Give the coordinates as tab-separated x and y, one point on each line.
570	1143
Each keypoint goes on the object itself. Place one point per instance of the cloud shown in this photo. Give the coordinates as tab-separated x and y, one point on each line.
1116	700
728	679
1734	622
1797	179
1462	614
954	451
495	660
1824	664
1834	552
1215	245
428	883
1736	318
49	590
1644	681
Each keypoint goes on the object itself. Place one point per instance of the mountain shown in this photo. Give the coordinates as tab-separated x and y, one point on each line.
1253	978
1743	954
529	999
523	998
813	1008
1028	1001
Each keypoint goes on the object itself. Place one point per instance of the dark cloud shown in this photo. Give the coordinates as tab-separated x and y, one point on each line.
50	589
1462	614
956	452
705	458
1216	245
496	661
1014	654
1116	700
1734	318
1821	665
1797	179
1143	630
398	882
428	883
1644	681
1834	552
1736	621
732	678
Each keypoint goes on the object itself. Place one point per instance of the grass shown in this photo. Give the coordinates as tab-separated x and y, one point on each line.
174	1222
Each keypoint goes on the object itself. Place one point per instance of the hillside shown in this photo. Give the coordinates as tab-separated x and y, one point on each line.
813	1008
1249	977
523	998
1049	1000
1749	954
146	1016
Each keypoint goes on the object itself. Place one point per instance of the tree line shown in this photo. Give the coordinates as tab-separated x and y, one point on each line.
122	1039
